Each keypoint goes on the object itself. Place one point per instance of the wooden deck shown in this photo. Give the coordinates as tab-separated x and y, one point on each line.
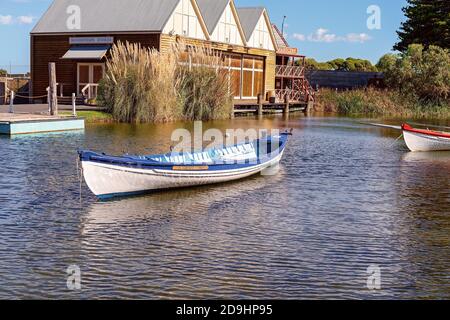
26	123
247	107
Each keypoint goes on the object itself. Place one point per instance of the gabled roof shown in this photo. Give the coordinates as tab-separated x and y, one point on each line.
108	16
279	38
212	11
249	19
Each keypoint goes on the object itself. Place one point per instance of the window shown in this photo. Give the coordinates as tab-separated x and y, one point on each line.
227	28
185	21
261	36
253	77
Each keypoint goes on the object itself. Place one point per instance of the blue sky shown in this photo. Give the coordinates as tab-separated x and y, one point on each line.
322	29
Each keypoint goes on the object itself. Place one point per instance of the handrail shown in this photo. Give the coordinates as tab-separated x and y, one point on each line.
87	88
59	85
290	71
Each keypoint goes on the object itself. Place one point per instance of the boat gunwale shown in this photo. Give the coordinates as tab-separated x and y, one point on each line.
147	164
408	128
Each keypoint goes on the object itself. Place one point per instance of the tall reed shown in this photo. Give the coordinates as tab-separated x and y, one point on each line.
205	85
377	102
144	85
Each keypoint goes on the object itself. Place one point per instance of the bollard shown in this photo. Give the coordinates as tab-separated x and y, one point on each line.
74	105
11	102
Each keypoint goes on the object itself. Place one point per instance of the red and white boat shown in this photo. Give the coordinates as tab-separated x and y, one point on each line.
425	140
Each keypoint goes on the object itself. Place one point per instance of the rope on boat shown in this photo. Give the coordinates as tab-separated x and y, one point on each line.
428	125
80	177
396	140
382	125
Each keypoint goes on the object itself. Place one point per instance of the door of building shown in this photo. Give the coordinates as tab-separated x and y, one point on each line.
89	74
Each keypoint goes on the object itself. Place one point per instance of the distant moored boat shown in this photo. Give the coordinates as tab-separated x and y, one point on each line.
426	140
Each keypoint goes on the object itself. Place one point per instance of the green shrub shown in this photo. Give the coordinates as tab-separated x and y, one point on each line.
424	73
376	102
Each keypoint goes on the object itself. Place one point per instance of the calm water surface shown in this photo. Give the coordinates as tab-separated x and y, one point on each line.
347	196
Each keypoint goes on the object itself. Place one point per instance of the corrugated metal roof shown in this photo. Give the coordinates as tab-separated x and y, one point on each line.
87	52
249	18
108	16
212	11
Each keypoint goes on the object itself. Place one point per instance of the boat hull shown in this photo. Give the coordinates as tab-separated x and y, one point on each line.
418	142
108	180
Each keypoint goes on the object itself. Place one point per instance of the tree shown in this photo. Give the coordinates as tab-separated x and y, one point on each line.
349	64
3	73
425	73
352	64
312	64
337	64
428	23
387	62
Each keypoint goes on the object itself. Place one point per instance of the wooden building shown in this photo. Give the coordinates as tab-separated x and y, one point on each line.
290	76
78	34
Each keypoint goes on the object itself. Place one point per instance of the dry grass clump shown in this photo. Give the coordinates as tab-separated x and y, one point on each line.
205	89
144	85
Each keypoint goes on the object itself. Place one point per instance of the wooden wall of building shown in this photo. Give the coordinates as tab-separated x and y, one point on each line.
50	48
269	56
2	91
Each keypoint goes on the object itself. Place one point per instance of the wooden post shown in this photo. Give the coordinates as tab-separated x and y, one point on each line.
233	109
286	102
260	105
74	105
11	102
53	98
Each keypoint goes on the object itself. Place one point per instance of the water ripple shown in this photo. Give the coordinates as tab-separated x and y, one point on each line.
346	197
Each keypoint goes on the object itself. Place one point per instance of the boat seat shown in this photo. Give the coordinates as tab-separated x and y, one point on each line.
209	156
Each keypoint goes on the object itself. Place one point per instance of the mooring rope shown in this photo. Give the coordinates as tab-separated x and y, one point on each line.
80	178
28	97
396	140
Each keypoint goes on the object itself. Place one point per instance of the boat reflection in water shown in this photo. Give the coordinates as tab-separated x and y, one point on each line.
176	203
442	157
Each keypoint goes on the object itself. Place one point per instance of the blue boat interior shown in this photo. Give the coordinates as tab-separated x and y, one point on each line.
254	151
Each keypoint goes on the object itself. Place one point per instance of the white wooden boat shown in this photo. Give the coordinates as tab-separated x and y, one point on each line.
425	140
110	176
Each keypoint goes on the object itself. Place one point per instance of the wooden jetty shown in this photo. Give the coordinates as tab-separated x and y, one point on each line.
261	107
15	124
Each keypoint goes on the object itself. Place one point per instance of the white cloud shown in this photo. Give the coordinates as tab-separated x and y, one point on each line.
6	20
355	37
25	19
324	35
9	20
299	36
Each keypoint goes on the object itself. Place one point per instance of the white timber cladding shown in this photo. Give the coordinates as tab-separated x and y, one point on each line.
184	22
261	35
227	30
